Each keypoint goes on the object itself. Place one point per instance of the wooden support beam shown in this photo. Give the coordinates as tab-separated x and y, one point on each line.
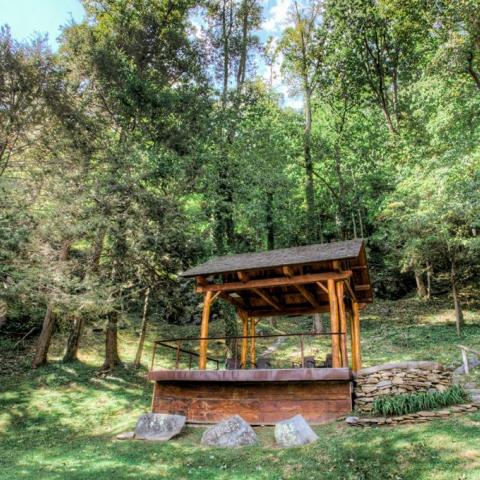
274	282
237	301
343	323
359	288
323	287
295	310
264	295
268	298
334	323
202	365
252	342
353	345
243	276
350	291
356	344
244	349
337	265
301	288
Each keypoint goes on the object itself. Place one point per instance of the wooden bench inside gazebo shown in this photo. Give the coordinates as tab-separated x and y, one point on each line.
328	278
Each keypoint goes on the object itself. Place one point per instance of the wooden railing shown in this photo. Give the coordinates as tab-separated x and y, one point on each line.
232	344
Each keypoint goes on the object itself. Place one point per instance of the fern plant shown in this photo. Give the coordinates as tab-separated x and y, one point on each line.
415	402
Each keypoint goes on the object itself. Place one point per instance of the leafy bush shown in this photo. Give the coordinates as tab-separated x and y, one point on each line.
415	402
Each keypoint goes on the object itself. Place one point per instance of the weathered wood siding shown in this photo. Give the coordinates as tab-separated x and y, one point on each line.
257	402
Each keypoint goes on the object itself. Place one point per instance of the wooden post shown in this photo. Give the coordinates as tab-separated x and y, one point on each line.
243	355
202	365
352	339
334	323
343	323
252	342
302	350
356	345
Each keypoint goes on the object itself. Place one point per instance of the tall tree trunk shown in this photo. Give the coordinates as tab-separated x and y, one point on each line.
360	222
459	320
354	226
471	70
3	313
242	64
97	249
73	341
226	30
143	330
272	321
311	227
43	343
317	323
111	343
421	289
269	221
429	280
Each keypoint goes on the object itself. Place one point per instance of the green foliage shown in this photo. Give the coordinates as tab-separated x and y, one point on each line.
415	402
149	146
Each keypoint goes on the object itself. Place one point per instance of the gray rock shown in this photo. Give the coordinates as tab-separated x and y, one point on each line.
423	365
125	436
384	384
352	420
158	426
293	432
472	363
233	432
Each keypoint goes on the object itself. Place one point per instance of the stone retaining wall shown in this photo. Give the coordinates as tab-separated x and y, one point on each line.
419	417
398	378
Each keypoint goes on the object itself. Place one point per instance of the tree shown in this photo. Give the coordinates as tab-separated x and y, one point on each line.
303	48
382	43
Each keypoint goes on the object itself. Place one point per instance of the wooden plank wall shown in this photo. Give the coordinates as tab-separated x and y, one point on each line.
258	403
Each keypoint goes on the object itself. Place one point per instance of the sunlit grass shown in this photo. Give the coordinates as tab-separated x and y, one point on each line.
59	422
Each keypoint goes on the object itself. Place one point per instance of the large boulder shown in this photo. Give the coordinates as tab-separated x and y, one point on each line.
158	426
233	432
293	432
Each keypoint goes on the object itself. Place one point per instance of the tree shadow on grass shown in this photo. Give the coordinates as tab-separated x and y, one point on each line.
414	452
68	399
62	421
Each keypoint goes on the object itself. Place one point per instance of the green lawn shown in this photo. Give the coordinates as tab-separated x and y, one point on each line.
59	422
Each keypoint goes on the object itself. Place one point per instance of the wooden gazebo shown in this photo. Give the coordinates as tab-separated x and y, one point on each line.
331	278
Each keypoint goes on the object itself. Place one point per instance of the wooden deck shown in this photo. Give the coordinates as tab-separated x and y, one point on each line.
261	397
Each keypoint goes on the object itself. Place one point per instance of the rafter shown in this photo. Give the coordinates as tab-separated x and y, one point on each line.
295	310
350	291
323	287
303	290
237	301
268	298
264	295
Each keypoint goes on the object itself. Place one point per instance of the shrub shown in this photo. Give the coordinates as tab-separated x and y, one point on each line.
415	402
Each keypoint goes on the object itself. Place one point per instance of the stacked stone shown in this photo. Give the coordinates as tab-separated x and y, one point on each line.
398	378
418	417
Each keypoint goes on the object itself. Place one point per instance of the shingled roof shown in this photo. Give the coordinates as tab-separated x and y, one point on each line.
278	258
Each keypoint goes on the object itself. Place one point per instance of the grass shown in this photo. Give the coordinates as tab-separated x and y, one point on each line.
59	422
415	402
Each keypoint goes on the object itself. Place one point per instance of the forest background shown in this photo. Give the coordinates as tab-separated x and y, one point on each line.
161	133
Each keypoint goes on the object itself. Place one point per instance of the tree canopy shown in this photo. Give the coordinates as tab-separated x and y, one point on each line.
156	137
